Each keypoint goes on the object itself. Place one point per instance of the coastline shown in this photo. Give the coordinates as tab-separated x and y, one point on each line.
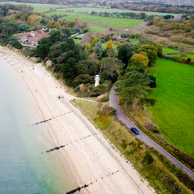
89	156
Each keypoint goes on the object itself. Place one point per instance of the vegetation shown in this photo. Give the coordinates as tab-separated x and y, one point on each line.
179	29
172	111
165	8
150	164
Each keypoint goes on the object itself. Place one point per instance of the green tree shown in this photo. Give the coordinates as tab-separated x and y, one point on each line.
124	53
133	85
110	68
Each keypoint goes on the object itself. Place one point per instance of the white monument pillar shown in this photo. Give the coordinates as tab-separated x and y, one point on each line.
97	80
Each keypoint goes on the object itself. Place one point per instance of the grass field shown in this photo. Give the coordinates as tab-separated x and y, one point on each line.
37	7
90	9
174	106
98	29
104	21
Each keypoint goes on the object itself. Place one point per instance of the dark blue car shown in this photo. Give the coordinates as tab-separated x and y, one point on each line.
134	130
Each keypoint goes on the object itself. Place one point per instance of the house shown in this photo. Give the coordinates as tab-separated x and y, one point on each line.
32	38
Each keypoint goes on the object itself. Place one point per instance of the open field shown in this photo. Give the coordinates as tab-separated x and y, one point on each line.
90	9
37	7
173	109
104	21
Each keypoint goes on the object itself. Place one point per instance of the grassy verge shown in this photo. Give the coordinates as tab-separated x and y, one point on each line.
159	172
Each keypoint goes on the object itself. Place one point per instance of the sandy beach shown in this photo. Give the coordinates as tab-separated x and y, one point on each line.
89	155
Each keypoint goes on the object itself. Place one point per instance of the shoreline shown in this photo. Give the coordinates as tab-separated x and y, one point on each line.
87	153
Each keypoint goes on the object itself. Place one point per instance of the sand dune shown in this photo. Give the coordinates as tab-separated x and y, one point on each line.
92	159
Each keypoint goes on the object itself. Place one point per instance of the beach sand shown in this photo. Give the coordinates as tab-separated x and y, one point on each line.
89	155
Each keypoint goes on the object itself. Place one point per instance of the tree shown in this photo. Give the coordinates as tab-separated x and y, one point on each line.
110	68
109	44
124	53
151	52
15	43
133	85
139	60
23	27
94	42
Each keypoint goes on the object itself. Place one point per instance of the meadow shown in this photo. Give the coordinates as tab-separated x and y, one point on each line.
174	106
98	10
104	21
37	7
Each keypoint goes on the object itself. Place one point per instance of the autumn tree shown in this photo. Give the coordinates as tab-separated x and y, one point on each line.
151	52
109	44
139	60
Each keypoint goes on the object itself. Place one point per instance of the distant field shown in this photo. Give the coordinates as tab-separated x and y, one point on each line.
90	9
173	111
37	7
104	21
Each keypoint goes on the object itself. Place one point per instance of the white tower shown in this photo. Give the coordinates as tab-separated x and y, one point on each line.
97	80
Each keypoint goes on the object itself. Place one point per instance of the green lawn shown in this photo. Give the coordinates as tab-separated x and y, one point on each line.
90	9
173	111
37	7
98	29
169	50
104	21
191	56
135	42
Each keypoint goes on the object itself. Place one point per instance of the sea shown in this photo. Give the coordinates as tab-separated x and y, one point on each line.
25	167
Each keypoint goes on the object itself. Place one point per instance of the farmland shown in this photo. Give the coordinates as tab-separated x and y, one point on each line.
104	21
173	109
98	10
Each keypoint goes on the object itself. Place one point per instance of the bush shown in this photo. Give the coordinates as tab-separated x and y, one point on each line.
148	159
82	79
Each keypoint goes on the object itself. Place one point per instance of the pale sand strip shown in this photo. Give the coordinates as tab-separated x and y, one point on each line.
91	158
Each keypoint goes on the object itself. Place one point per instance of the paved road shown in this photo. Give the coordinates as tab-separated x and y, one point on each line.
113	102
